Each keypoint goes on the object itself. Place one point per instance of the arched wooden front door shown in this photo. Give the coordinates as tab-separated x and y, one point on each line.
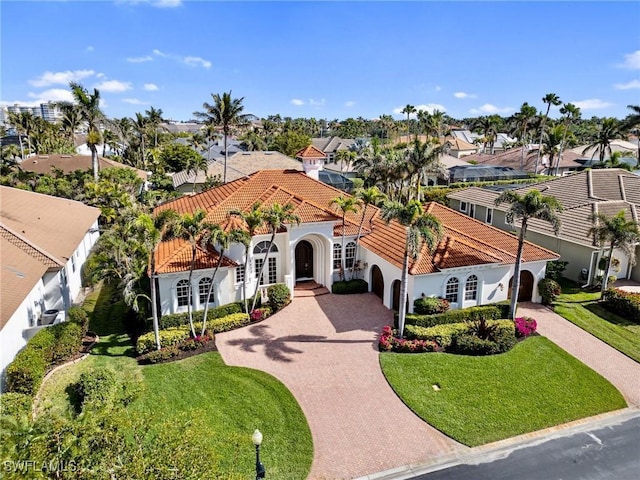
304	260
377	282
525	290
395	295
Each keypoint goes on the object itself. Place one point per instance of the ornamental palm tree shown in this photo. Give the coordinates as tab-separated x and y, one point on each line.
550	146
609	130
141	127
88	106
253	219
274	218
618	233
191	227
408	109
344	205
526	207
365	197
421	229
70	121
523	118
225	112
549	99
632	123
487	125
153	231
154	120
423	158
570	113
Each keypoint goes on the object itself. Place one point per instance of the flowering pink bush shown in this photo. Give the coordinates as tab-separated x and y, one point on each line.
388	342
525	326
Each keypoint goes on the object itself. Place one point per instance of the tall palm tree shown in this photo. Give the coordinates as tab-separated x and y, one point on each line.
141	127
70	121
191	227
421	229
423	158
523	118
526	207
88	105
344	205
570	113
154	120
609	130
365	197
408	109
275	217
551	144
154	230
253	219
632	123
488	126
617	233
225	112
549	99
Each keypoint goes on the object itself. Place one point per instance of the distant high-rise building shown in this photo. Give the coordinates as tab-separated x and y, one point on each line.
48	111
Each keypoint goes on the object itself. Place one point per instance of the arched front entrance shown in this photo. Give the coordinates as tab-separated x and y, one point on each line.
395	296
525	290
304	261
377	282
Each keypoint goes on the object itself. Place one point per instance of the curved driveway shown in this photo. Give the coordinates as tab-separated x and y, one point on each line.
324	350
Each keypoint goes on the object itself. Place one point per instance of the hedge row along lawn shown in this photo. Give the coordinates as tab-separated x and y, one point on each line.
230	402
484	399
583	309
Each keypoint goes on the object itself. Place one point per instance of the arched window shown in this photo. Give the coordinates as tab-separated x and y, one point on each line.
182	292
471	288
203	289
263	246
451	293
349	254
337	256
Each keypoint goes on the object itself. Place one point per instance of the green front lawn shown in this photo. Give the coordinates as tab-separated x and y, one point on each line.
484	399
226	403
582	309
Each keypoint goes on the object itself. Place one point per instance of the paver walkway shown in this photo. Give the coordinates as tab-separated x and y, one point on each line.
324	350
620	370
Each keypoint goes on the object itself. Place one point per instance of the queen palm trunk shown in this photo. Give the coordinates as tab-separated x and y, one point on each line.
154	302
605	277
266	259
94	163
516	272
402	314
190	299
209	290
355	257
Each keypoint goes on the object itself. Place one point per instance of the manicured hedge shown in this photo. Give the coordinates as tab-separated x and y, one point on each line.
279	296
625	304
79	316
442	334
494	311
178	319
98	386
49	346
15	404
430	305
350	286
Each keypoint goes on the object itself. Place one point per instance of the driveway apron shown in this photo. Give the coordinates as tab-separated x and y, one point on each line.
324	350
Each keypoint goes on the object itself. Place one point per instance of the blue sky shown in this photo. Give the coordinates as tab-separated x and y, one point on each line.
324	59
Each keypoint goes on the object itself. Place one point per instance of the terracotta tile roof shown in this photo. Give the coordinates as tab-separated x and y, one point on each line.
175	256
311	152
71	163
457	143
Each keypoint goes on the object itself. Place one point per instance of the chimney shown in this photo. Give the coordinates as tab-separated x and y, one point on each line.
312	160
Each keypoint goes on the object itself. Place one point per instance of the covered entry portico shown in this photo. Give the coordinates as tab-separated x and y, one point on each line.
312	260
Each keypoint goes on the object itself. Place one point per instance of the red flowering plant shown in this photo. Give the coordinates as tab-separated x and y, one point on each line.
256	315
525	326
388	342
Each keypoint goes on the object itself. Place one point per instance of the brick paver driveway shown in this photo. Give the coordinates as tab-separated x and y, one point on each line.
324	350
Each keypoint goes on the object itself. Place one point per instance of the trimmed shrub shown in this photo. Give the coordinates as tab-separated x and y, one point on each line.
78	316
195	343
178	319
97	386
168	337
525	326
549	290
68	340
472	345
279	296
624	304
25	373
260	314
490	312
430	305
388	342
555	269
15	404
161	355
348	287
499	332
230	322
443	334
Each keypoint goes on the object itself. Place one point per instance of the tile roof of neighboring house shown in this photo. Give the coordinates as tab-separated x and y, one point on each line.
466	242
616	146
70	163
332	144
38	232
239	165
449	161
513	158
581	194
457	143
310	152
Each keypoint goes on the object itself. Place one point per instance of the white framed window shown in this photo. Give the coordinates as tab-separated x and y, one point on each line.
349	254
337	256
240	274
489	218
203	289
451	291
464	206
257	265
471	288
182	293
262	253
272	271
263	246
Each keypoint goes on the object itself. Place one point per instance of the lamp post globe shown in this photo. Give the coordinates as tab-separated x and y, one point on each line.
257	441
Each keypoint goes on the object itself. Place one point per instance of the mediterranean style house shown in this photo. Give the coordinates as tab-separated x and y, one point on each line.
44	242
472	265
582	194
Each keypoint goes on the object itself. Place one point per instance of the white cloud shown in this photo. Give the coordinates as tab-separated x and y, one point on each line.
297	102
464	95
317	103
152	3
60	78
592	104
151	87
627	86
146	58
51	95
100	75
438	88
631	61
349	104
197	61
487	108
89	48
159	53
114	86
134	101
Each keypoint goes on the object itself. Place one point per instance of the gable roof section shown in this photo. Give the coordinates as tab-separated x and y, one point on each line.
310	152
70	163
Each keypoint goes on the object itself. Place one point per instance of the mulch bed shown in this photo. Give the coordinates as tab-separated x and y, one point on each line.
208	347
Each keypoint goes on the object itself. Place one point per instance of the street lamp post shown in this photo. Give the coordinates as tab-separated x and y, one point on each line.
257	440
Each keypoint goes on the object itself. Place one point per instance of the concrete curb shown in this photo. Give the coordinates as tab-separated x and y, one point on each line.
501	449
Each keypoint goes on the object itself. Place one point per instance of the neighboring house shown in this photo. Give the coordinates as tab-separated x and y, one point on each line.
582	194
569	161
628	149
70	163
314	163
483	173
45	242
502	142
331	145
472	265
457	147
